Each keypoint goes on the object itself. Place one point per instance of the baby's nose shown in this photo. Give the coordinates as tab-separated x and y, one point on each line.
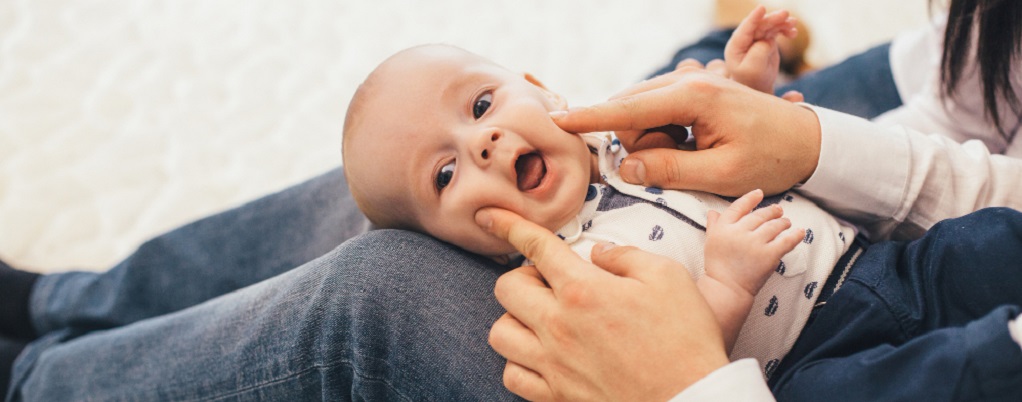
488	148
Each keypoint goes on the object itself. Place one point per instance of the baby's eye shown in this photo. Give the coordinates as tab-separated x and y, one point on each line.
482	104
444	176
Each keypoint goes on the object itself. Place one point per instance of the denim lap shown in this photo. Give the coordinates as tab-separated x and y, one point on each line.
341	327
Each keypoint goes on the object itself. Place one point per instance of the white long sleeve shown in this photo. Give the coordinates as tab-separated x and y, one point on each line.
741	380
897	182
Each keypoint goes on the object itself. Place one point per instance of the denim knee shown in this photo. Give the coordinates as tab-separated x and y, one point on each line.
418	317
986	244
967	266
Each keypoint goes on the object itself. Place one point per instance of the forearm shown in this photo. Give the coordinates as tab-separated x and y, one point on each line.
729	306
915	182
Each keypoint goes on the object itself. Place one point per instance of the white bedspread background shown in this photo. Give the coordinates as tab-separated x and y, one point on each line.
123	119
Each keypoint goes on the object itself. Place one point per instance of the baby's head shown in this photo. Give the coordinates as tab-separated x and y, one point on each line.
436	133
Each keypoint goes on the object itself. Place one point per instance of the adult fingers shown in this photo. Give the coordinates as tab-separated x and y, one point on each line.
718	67
523	293
669	136
667	99
703	170
526	383
516	342
691	63
631	262
551	255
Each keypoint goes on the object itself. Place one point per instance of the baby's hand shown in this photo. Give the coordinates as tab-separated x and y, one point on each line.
751	54
743	247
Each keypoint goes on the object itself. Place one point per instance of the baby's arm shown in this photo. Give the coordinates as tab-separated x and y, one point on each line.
743	247
751	54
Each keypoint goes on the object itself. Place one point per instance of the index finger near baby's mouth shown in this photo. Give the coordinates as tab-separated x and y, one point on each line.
549	253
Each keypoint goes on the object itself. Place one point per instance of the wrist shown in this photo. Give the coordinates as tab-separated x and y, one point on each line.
730	306
728	287
700	368
810	141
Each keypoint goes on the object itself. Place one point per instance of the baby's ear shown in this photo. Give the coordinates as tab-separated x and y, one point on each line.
557	100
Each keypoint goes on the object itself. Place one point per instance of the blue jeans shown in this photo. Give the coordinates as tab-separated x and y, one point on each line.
923	320
861	85
389	315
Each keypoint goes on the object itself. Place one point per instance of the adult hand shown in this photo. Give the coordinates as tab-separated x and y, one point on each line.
745	139
637	329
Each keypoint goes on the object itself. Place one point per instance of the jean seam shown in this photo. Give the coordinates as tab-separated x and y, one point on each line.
317	367
899	318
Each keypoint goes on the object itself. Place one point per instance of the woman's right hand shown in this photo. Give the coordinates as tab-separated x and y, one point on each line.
745	139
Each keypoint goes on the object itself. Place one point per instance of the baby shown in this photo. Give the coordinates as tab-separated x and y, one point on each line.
436	133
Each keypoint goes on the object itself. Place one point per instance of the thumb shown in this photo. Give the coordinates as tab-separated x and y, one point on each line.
600	253
631	262
702	170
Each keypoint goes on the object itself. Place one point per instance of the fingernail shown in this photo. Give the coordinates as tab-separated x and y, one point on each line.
484	219
557	114
633	171
604	247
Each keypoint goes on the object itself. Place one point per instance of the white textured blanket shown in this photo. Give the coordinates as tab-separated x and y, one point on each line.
122	119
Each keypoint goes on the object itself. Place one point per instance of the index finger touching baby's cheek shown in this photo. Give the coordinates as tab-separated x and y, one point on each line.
528	238
551	256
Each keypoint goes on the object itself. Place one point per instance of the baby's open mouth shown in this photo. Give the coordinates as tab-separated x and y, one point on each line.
530	170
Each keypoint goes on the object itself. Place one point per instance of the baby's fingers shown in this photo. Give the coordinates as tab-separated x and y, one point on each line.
787	240
711	218
790	28
773	21
772	228
759	217
742	206
768	33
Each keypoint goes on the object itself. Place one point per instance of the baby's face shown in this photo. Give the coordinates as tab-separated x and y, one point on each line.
445	133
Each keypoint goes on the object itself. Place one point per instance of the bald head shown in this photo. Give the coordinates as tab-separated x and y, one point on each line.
371	111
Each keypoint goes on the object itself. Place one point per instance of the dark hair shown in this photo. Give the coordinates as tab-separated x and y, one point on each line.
999	27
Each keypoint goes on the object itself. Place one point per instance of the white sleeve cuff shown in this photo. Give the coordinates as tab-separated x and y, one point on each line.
863	169
741	380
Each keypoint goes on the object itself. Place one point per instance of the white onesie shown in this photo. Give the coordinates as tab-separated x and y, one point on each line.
673	223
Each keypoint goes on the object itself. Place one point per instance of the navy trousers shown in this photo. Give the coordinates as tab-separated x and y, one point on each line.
922	320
